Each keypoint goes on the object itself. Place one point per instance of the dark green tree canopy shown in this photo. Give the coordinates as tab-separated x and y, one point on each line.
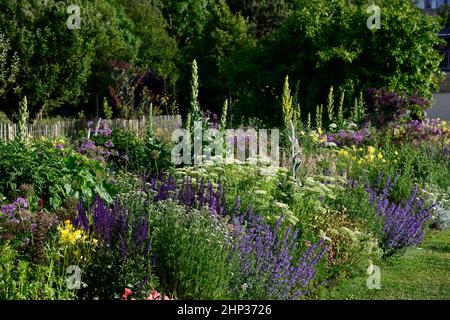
56	63
326	43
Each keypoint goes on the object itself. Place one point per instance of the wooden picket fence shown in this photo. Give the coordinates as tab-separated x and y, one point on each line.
162	125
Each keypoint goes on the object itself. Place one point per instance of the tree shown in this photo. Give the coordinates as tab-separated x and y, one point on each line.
326	43
9	66
264	16
227	33
157	49
55	62
186	18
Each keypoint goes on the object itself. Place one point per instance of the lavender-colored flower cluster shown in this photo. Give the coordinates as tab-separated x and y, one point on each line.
193	195
345	138
100	153
9	209
101	129
114	226
417	131
404	222
267	258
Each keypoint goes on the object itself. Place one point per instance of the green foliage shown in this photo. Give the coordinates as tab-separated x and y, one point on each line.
264	15
33	28
227	33
327	43
54	175
186	18
157	49
22	280
192	253
107	110
9	66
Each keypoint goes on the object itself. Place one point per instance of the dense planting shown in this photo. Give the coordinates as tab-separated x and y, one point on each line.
354	177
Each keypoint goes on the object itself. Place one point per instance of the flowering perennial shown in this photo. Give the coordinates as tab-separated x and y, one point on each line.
403	222
267	258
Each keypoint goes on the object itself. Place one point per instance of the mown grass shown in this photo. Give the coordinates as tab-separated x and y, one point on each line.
422	273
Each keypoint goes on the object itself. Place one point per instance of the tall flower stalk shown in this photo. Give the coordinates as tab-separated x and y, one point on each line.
21	133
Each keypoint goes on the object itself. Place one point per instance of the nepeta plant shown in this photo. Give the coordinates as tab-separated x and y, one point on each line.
271	266
404	222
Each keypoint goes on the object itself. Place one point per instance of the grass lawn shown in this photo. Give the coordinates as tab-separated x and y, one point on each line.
422	273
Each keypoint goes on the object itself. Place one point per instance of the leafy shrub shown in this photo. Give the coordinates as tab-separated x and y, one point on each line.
320	52
385	107
193	253
22	280
54	174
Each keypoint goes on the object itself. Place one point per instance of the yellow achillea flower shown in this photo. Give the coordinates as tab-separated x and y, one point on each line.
371	150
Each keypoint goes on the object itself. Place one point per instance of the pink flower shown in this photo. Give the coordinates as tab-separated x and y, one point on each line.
123	297
128	292
166	298
155	295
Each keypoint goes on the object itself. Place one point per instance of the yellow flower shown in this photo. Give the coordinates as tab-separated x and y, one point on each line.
380	155
69	235
94	242
343	153
396	153
371	150
320	131
359	161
